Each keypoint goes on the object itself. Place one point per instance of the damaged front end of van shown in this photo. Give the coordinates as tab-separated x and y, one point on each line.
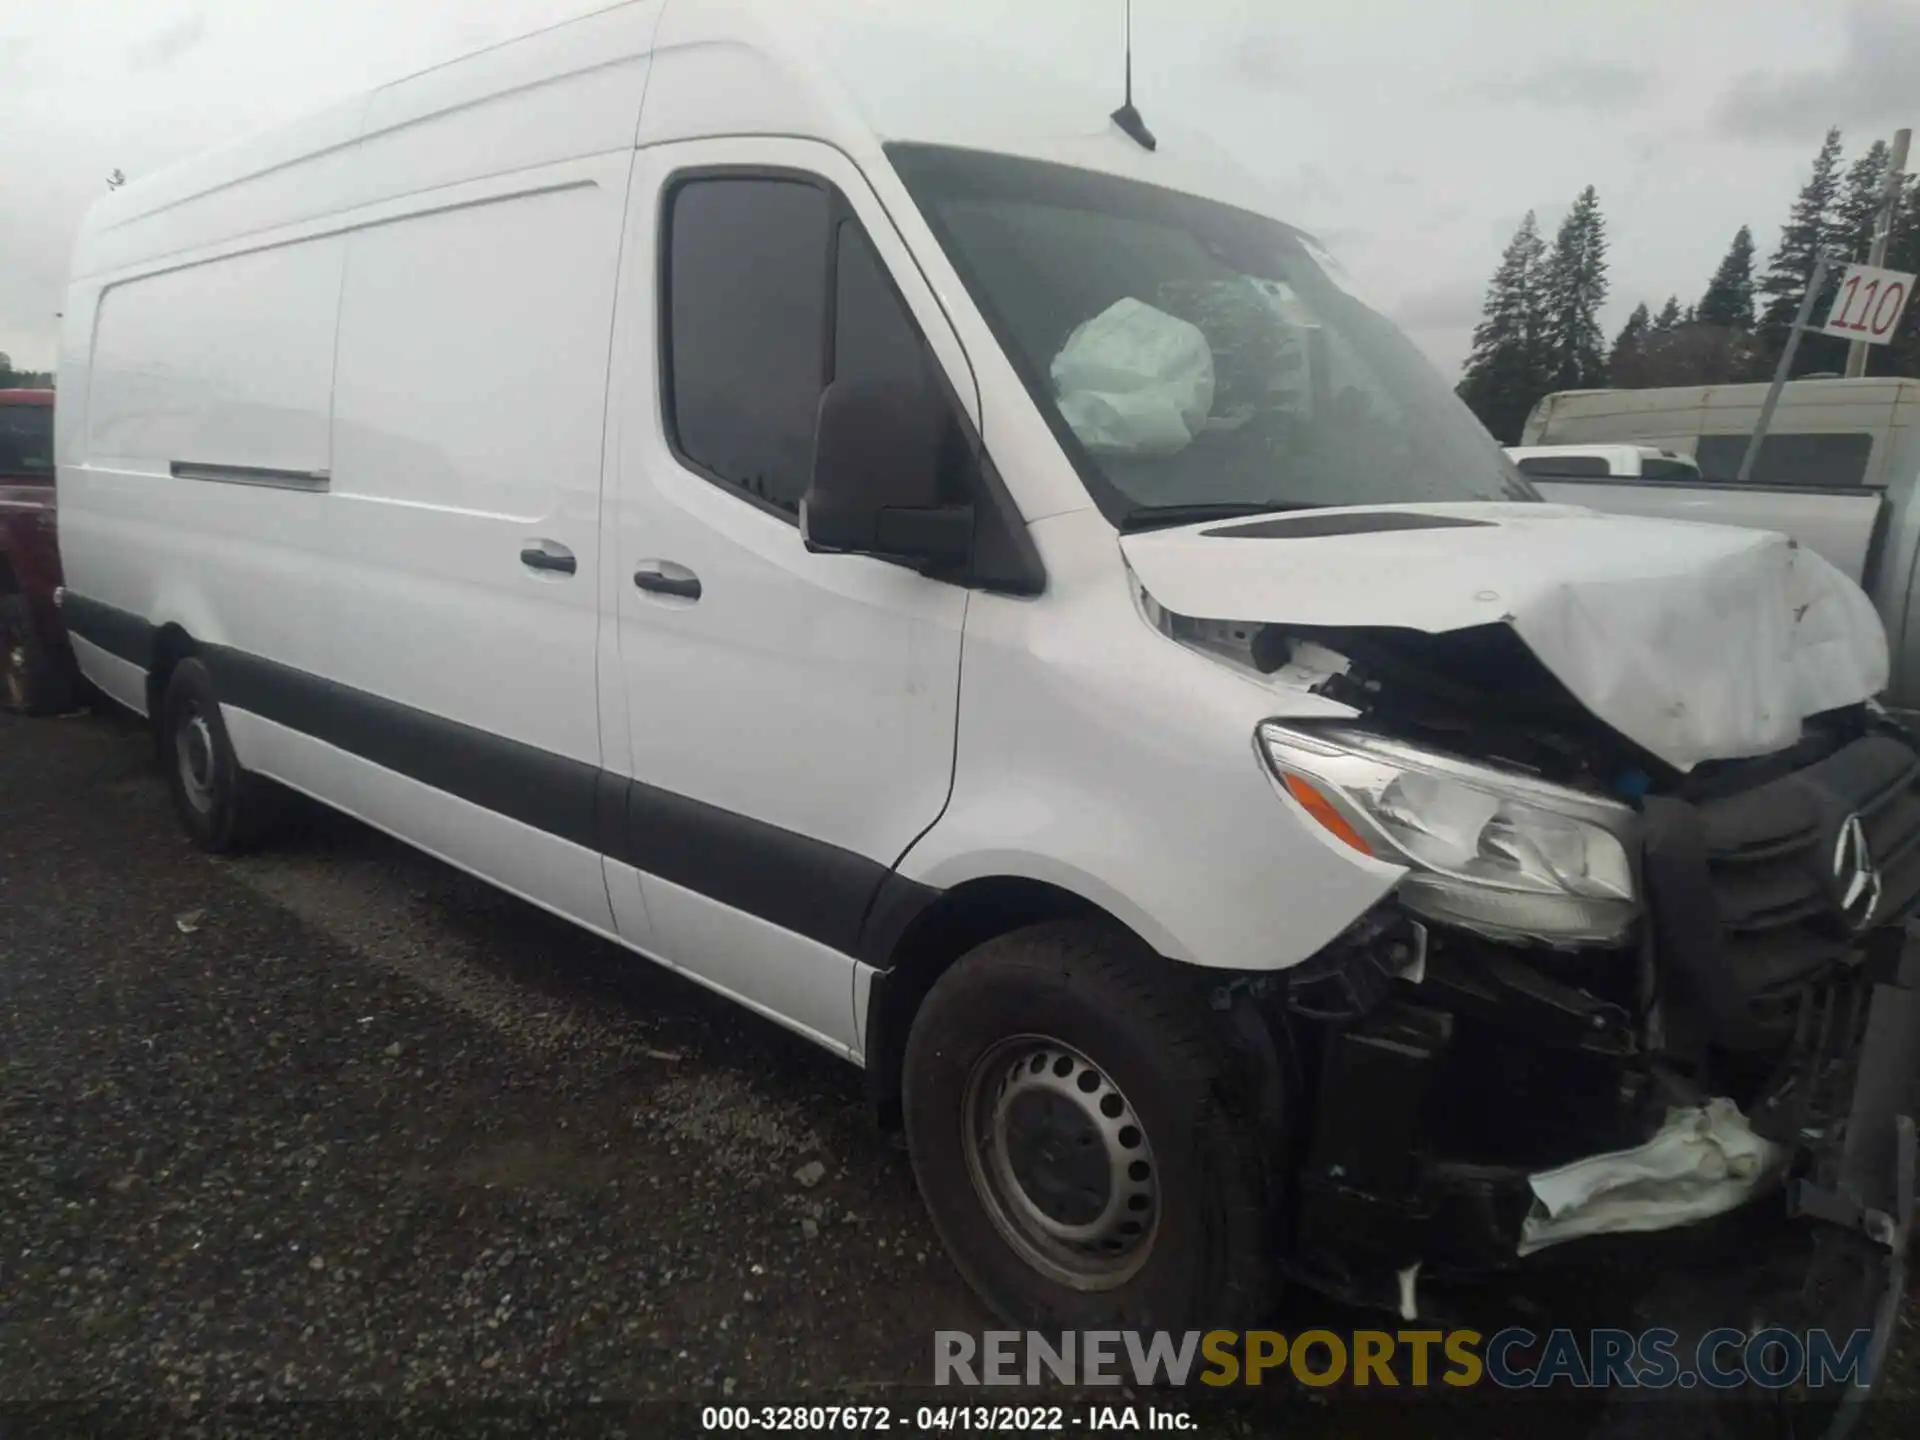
1645	1000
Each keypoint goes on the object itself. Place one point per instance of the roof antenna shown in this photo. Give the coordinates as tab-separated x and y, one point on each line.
1126	117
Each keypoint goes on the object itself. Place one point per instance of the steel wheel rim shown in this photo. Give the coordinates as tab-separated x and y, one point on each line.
1061	1162
193	757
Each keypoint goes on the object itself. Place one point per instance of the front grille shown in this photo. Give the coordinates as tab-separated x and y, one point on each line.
1746	906
1770	850
1813	1081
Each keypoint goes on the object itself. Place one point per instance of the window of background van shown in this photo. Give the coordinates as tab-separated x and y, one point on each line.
1829	461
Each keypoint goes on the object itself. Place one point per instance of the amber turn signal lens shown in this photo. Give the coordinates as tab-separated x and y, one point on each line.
1324	810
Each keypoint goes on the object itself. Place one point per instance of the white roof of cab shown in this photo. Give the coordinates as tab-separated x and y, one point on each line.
851	73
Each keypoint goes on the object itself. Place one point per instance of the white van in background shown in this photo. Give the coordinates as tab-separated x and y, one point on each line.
1827	433
824	508
1660	484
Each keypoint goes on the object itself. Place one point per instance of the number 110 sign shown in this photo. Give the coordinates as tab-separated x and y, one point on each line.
1868	304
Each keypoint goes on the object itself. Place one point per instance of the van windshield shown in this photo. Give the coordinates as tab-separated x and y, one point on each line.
1193	358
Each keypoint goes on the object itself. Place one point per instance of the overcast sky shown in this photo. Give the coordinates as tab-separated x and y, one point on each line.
1412	135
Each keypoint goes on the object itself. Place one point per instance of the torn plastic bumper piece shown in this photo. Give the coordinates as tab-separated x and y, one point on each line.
1386	1185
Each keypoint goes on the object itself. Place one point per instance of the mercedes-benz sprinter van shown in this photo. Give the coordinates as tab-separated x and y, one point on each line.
839	515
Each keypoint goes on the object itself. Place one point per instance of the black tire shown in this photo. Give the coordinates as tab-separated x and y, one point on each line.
1146	1029
222	807
35	678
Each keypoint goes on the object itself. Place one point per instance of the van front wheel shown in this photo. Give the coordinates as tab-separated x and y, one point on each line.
1087	1140
223	807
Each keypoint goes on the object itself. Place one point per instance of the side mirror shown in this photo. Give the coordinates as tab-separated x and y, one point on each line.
878	455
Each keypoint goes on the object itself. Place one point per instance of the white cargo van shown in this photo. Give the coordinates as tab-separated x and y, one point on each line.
837	515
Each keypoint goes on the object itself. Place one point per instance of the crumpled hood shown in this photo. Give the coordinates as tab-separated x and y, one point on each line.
1697	642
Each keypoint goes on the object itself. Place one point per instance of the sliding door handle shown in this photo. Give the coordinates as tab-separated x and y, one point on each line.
548	555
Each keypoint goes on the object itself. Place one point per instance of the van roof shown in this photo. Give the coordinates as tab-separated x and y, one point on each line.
852	73
1871	404
1870	390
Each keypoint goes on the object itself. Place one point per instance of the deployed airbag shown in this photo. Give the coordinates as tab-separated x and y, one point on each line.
1134	380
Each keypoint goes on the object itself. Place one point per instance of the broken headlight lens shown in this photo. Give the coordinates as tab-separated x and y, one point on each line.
1492	850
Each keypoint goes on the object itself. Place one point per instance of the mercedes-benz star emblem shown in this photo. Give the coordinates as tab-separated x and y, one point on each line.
1856	880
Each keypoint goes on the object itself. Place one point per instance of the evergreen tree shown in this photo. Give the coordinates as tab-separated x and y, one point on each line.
1504	374
1573	288
1729	298
1718	342
1859	204
1662	366
1627	361
1812	226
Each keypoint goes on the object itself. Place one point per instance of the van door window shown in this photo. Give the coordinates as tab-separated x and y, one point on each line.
773	290
874	339
745	316
1829	461
1680	471
1546	467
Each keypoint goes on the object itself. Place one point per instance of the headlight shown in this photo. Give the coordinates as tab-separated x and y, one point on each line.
1491	850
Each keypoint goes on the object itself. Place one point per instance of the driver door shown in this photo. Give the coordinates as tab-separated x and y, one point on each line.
790	716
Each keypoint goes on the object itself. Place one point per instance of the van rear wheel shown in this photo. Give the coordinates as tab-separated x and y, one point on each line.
223	807
1088	1141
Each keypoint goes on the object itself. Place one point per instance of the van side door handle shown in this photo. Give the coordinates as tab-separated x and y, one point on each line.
548	555
663	577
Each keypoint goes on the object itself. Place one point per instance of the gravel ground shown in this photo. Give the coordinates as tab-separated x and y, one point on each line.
336	1123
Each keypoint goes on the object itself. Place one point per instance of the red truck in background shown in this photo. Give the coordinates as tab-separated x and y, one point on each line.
37	673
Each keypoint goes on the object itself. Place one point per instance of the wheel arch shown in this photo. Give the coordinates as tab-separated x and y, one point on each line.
171	645
939	933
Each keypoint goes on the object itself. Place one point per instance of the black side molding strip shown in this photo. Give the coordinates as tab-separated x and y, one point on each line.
790	880
118	632
841	899
787	879
536	787
311	480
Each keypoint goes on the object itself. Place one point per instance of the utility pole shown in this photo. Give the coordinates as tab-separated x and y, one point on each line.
1815	283
1882	233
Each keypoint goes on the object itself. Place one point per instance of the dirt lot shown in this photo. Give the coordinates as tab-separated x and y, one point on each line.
336	1123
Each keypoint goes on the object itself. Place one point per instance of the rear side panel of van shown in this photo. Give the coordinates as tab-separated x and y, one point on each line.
341	381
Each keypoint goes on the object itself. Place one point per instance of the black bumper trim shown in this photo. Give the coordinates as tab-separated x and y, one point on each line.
1870	1185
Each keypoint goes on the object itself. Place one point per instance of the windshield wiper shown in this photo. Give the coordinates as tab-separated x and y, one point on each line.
1162	517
